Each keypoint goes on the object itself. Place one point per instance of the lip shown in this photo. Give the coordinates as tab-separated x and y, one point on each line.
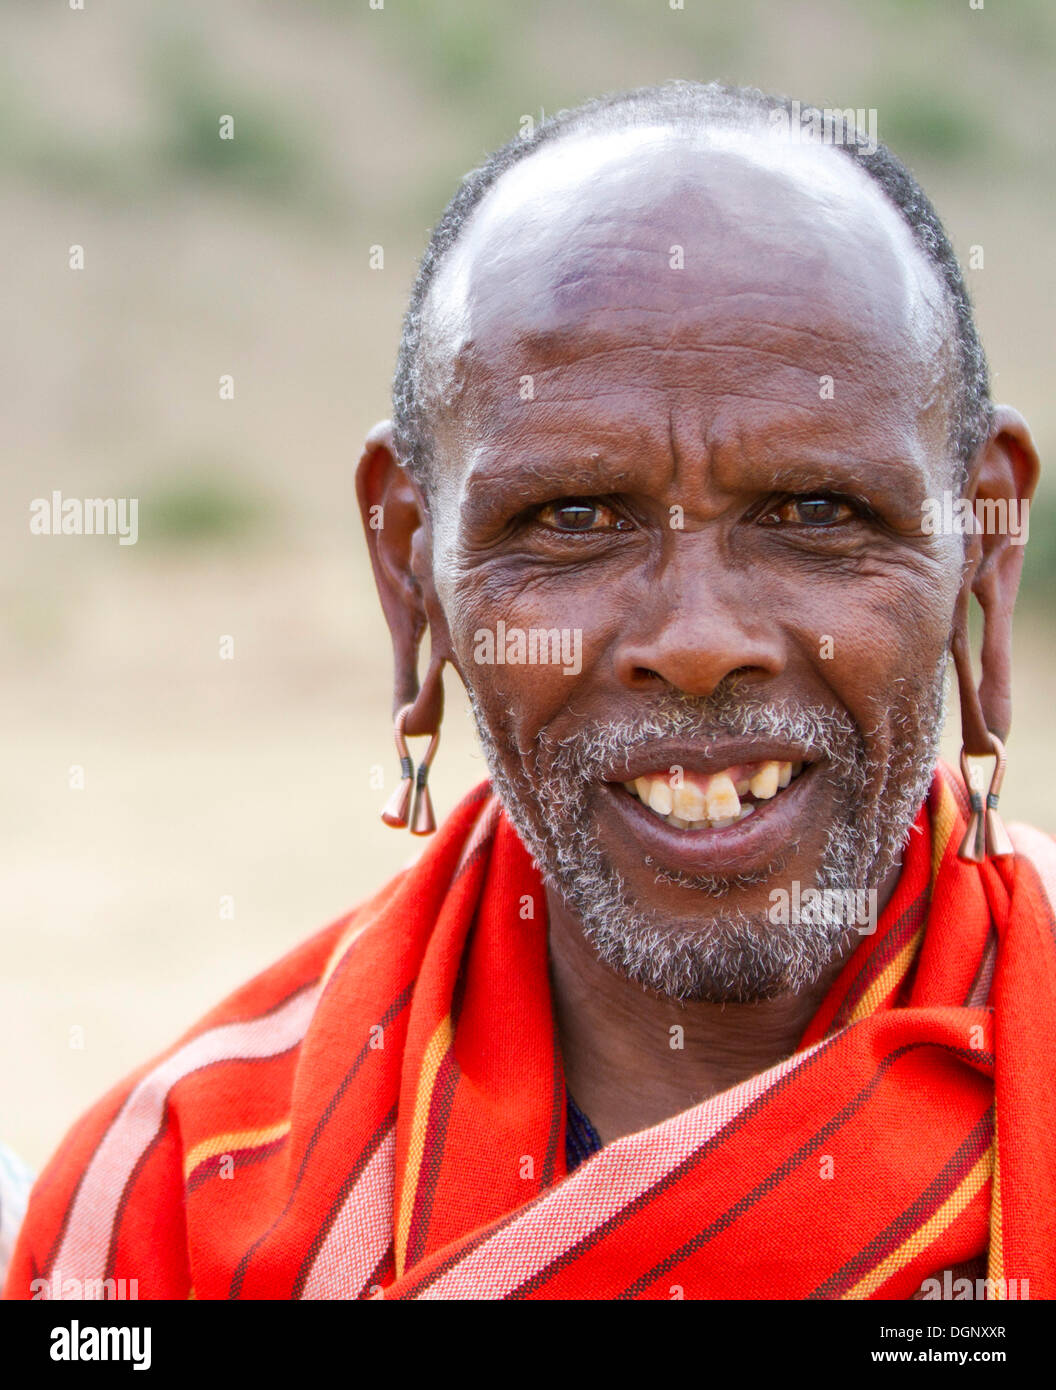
749	844
704	758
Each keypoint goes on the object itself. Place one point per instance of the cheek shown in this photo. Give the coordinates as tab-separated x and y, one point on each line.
878	645
527	649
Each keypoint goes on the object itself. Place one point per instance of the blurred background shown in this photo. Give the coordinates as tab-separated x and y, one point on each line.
227	810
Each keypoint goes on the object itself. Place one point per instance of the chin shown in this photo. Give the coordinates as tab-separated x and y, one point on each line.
720	954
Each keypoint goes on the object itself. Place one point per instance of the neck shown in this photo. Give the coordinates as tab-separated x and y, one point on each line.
633	1058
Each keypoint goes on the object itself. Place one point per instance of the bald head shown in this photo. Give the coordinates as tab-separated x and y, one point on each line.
608	197
736	238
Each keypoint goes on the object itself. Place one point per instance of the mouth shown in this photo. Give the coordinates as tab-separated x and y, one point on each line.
716	813
714	801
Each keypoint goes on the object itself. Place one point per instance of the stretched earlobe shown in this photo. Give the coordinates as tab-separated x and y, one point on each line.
399	538
1004	476
397	529
1002	480
975	734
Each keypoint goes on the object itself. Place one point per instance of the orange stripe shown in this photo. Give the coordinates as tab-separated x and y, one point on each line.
995	1267
888	980
228	1143
942	826
434	1055
926	1235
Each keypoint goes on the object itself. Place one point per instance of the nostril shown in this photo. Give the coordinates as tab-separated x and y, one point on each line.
643	673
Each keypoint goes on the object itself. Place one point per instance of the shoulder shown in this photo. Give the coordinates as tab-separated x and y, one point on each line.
1040	849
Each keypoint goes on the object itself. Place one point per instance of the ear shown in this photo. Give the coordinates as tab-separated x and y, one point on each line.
1003	480
399	538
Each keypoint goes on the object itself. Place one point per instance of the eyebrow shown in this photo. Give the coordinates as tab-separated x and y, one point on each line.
900	482
549	472
488	489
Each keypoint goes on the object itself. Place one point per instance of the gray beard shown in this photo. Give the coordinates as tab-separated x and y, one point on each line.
717	953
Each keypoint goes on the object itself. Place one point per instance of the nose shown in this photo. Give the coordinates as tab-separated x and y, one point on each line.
698	625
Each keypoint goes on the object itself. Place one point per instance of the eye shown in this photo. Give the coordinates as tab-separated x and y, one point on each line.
572	515
817	509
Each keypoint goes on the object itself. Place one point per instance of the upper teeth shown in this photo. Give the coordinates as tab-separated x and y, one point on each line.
764	783
713	801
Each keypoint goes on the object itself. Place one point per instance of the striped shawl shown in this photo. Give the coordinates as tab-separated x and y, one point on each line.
382	1114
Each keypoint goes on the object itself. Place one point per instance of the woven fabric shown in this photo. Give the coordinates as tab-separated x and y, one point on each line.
382	1114
581	1138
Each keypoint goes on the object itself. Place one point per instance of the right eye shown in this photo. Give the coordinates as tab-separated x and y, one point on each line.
580	515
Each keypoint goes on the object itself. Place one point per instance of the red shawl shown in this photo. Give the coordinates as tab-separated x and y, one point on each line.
382	1114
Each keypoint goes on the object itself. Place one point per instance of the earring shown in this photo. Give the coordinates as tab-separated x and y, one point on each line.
423	822
398	811
986	834
399	803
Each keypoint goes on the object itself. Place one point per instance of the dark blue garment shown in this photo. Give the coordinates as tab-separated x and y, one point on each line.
581	1138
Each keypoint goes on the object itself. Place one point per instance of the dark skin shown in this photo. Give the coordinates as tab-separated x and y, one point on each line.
697	388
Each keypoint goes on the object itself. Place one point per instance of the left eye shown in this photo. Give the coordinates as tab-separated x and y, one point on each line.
579	514
810	511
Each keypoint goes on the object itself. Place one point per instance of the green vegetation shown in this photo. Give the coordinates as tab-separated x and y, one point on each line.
942	126
270	155
200	506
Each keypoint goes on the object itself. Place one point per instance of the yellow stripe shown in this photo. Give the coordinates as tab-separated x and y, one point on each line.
434	1055
929	1233
227	1143
996	1262
888	980
942	826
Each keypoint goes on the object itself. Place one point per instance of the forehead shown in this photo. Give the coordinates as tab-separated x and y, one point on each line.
700	273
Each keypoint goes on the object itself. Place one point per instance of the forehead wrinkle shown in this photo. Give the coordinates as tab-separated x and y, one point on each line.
548	345
613	424
710	370
585	341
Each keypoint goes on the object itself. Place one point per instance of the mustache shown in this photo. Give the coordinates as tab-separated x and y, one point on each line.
730	711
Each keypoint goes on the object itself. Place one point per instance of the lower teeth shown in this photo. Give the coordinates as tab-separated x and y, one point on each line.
680	824
747	807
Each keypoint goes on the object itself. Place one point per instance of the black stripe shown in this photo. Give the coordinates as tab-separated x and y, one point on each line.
979	1139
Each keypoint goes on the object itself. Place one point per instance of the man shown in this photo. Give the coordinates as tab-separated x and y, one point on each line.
730	991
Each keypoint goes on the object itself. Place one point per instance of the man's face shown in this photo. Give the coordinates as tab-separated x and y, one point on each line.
694	410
